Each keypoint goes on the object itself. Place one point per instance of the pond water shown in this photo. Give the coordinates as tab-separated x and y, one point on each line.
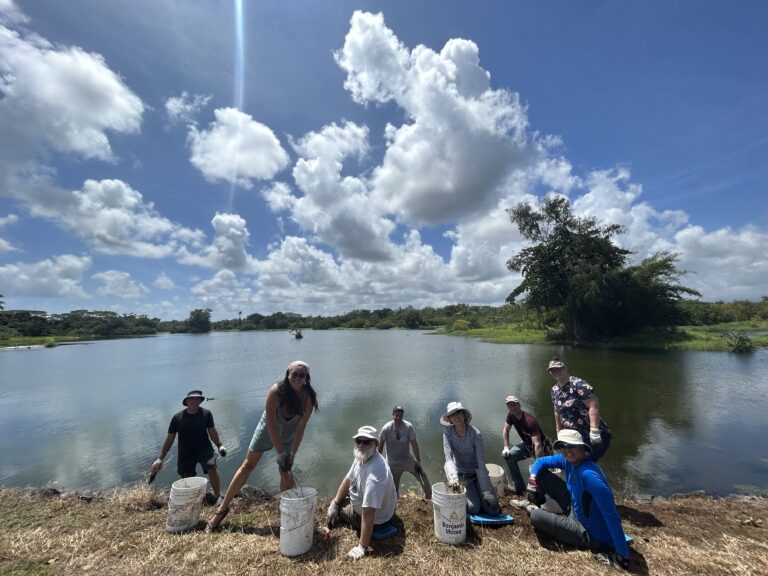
93	415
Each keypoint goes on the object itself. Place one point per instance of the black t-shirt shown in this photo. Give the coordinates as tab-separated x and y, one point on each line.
192	430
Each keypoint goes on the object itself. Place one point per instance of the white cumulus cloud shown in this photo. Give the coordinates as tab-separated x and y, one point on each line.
119	284
164	282
236	149
184	108
57	276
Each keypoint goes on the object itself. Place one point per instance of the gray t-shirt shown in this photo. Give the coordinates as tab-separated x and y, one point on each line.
371	486
397	441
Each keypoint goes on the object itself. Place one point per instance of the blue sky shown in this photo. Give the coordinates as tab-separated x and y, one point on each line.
346	155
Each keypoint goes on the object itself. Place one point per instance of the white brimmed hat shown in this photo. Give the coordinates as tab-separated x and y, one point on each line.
454	407
193	394
568	437
367	432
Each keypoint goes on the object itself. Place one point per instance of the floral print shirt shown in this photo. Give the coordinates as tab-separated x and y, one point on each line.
568	400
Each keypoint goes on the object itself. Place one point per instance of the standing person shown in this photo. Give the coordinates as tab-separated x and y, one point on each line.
589	519
366	497
577	408
196	431
399	438
534	443
289	406
465	460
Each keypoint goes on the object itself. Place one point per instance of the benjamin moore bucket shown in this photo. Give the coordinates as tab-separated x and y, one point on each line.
185	503
496	474
450	514
297	520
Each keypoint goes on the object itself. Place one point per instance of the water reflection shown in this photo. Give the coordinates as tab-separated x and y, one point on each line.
94	416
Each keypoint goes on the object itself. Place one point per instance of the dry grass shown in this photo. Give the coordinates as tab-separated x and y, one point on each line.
126	535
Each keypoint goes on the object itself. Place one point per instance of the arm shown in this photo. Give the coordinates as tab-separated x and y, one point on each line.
271	410
382	439
415	448
557	421
505	434
342	492
482	472
603	498
594	411
167	445
302	425
213	434
366	526
538	446
547	462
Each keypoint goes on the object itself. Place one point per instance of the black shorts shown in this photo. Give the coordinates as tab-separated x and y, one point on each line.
187	467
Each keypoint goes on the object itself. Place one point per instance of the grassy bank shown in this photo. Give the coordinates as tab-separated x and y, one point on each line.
125	534
710	338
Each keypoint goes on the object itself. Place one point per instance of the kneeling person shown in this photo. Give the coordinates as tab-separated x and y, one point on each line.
589	519
367	496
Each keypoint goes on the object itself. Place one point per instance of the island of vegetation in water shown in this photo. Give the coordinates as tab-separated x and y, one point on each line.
46	533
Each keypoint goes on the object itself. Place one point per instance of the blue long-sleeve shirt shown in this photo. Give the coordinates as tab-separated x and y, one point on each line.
602	520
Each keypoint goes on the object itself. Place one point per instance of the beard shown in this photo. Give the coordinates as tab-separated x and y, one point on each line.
362	453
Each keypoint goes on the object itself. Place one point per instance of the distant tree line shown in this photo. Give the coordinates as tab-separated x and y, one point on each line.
455	317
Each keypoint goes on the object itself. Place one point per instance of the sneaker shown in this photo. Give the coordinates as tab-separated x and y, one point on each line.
522	503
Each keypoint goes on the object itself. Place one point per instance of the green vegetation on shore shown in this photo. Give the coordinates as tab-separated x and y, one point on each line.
709	338
125	535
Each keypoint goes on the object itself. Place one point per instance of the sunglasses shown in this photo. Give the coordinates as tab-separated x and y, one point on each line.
363	441
567	446
299	374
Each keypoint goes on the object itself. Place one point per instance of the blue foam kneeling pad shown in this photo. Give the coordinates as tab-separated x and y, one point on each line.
491	520
384	532
628	538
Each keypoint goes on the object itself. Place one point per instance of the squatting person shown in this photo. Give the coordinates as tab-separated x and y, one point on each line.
399	439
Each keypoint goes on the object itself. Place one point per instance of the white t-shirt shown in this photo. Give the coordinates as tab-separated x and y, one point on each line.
371	486
398	449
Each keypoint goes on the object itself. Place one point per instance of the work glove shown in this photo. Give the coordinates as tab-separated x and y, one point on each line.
491	503
333	513
505	452
356	553
417	467
157	463
222	450
595	438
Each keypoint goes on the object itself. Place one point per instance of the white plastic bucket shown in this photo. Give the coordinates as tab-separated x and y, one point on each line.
496	474
450	514
297	520
185	503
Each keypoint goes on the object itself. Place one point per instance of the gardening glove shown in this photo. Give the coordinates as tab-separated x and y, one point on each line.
505	452
491	503
417	467
333	513
595	438
222	450
356	553
157	463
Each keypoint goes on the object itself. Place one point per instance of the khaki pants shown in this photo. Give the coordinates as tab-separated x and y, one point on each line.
397	470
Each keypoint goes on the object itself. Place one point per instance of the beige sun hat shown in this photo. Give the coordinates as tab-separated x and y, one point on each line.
454	407
568	437
367	432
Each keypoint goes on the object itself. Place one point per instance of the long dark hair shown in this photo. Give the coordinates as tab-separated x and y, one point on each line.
287	396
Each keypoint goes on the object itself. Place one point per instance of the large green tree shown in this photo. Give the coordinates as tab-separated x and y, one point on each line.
199	320
574	272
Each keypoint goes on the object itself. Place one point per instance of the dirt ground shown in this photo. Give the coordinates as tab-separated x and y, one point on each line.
125	534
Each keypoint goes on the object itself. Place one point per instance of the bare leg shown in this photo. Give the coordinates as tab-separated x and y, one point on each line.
213	474
240	478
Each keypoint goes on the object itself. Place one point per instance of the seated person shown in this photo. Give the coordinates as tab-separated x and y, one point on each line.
589	518
465	460
366	498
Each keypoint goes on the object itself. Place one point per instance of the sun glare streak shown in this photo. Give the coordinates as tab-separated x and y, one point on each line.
239	84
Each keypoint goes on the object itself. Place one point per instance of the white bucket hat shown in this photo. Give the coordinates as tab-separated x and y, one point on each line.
568	437
454	407
367	432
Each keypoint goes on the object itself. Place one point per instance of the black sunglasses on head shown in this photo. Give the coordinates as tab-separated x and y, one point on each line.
363	441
